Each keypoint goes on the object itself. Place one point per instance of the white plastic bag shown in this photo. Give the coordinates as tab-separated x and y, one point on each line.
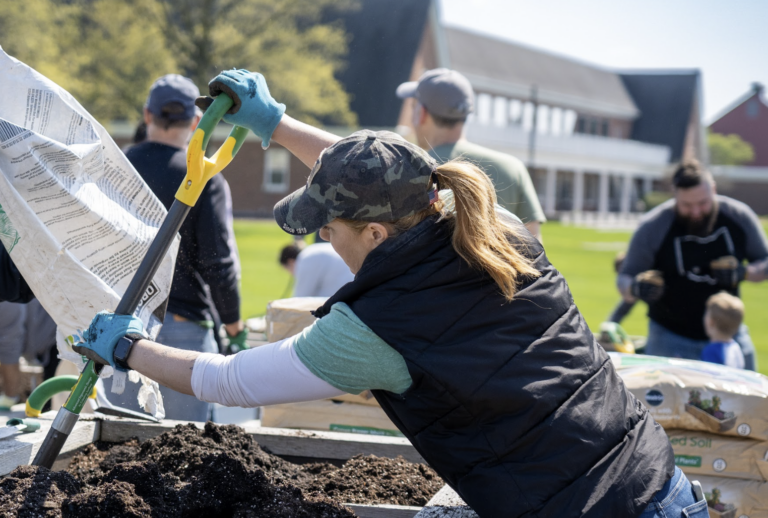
75	216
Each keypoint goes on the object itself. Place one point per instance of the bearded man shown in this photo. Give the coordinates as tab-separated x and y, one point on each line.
685	250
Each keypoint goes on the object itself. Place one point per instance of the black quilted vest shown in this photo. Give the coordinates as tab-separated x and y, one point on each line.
514	404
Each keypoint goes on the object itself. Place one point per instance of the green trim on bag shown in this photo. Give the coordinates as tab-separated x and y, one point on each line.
365	430
688	461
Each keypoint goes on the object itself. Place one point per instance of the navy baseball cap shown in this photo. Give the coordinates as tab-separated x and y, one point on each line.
173	88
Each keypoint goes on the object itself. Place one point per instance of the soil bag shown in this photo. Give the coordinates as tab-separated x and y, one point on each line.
720	456
733	498
75	216
699	396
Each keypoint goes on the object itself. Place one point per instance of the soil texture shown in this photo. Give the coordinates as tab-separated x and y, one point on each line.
218	471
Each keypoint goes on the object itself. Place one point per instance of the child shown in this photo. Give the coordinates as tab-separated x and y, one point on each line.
722	321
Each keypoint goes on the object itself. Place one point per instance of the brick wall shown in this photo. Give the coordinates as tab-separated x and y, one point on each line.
245	176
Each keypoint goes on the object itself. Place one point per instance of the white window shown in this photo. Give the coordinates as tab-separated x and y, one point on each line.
484	109
500	111
277	170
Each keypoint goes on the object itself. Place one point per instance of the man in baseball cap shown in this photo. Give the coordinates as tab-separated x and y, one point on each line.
442	101
207	266
172	97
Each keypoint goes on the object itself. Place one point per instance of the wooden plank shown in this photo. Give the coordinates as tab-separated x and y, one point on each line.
328	415
279	441
446	504
21	449
384	511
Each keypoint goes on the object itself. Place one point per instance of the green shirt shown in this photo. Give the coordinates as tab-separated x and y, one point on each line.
514	188
342	351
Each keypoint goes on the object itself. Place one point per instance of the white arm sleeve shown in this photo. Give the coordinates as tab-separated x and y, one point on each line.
267	375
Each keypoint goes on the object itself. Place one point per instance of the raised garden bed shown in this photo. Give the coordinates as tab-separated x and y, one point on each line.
217	471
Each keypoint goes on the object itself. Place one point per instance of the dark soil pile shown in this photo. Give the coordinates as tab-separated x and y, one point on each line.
367	479
30	492
219	471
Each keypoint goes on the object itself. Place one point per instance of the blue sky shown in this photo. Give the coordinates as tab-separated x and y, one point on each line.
726	39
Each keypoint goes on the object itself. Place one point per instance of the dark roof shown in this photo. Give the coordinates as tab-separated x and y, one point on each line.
665	101
504	67
384	39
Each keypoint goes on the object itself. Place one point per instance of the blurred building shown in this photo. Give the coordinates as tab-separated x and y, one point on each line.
747	117
595	140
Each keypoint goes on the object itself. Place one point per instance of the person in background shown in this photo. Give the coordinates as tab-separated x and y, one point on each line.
443	100
683	252
722	321
25	330
319	271
207	258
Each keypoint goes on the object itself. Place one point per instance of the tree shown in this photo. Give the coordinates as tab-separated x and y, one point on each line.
97	50
729	149
287	40
107	53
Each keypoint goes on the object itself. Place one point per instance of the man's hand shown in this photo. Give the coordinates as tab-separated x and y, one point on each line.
102	335
253	108
237	342
648	286
728	271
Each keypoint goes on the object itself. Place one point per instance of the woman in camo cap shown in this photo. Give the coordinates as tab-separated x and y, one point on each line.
456	321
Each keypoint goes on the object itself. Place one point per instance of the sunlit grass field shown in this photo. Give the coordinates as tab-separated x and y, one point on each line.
584	256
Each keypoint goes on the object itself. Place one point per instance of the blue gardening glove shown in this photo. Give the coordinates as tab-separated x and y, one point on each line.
253	108
102	335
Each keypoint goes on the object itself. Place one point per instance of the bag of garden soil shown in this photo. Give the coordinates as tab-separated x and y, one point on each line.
734	498
75	216
700	396
288	317
720	456
333	415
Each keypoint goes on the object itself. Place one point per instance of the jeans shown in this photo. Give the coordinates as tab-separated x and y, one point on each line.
180	335
663	342
676	500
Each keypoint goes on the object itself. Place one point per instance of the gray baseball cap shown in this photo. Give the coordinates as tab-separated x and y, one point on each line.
369	176
443	92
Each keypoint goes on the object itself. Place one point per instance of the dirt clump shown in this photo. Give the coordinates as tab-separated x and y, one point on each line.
371	479
30	491
217	471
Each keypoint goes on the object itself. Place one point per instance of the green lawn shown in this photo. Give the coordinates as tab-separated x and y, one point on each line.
584	256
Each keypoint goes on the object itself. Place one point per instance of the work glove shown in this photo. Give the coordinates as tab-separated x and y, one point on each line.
101	337
237	343
648	286
728	271
253	108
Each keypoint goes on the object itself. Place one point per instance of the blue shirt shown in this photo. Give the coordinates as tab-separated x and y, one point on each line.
724	353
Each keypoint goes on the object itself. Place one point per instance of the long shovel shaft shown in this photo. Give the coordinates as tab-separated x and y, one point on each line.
199	171
68	414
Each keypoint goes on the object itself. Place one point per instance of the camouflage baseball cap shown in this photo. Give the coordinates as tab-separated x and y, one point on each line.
368	176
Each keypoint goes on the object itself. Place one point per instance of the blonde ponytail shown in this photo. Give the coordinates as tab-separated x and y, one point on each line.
479	236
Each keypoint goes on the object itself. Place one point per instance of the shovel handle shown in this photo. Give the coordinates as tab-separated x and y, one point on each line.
199	170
